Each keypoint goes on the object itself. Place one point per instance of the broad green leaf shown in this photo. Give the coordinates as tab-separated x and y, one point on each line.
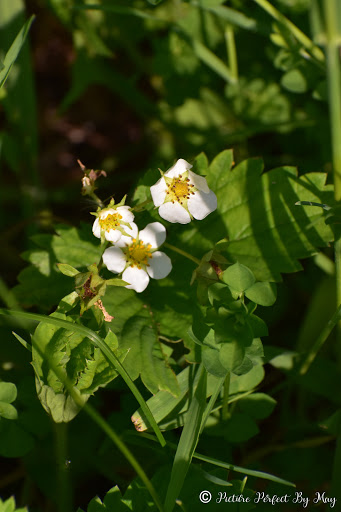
238	277
83	364
8	392
41	283
146	357
231	355
8	411
257	405
257	214
212	363
295	81
14	50
262	293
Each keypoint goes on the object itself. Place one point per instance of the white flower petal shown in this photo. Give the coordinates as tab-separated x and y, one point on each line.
178	168
158	192
137	277
174	212
113	235
199	182
159	265
127	214
126	240
200	205
153	234
114	259
96	229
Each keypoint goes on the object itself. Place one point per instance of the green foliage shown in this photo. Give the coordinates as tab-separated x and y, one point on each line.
13	52
8	393
257	215
83	365
9	506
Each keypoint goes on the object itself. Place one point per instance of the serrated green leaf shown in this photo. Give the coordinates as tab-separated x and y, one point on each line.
8	392
41	283
257	214
85	366
145	357
262	293
238	277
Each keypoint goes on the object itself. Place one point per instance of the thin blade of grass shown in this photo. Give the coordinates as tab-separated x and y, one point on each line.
101	344
228	465
14	50
188	441
22	341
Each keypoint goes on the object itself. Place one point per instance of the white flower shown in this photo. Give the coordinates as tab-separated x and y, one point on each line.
181	194
138	257
114	224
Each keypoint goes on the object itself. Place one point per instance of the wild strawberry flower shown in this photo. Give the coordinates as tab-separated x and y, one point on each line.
182	195
114	223
138	258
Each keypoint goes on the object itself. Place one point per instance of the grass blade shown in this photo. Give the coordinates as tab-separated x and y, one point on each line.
14	50
188	441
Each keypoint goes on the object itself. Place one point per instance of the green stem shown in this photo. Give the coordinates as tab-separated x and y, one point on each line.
320	341
97	418
140	207
297	33
225	410
97	200
183	253
331	11
64	488
231	52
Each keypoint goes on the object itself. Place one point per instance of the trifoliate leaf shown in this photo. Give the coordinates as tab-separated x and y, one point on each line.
262	293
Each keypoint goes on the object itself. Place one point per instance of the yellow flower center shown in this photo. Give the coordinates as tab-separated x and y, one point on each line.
138	253
179	189
111	221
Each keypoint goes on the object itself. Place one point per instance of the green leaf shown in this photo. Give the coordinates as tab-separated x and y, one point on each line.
41	283
257	405
295	81
240	427
212	363
257	214
188	441
238	277
67	270
83	364
8	392
146	357
10	506
14	50
262	293
231	355
8	411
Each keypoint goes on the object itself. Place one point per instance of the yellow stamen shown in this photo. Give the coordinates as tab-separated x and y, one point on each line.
138	253
111	221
